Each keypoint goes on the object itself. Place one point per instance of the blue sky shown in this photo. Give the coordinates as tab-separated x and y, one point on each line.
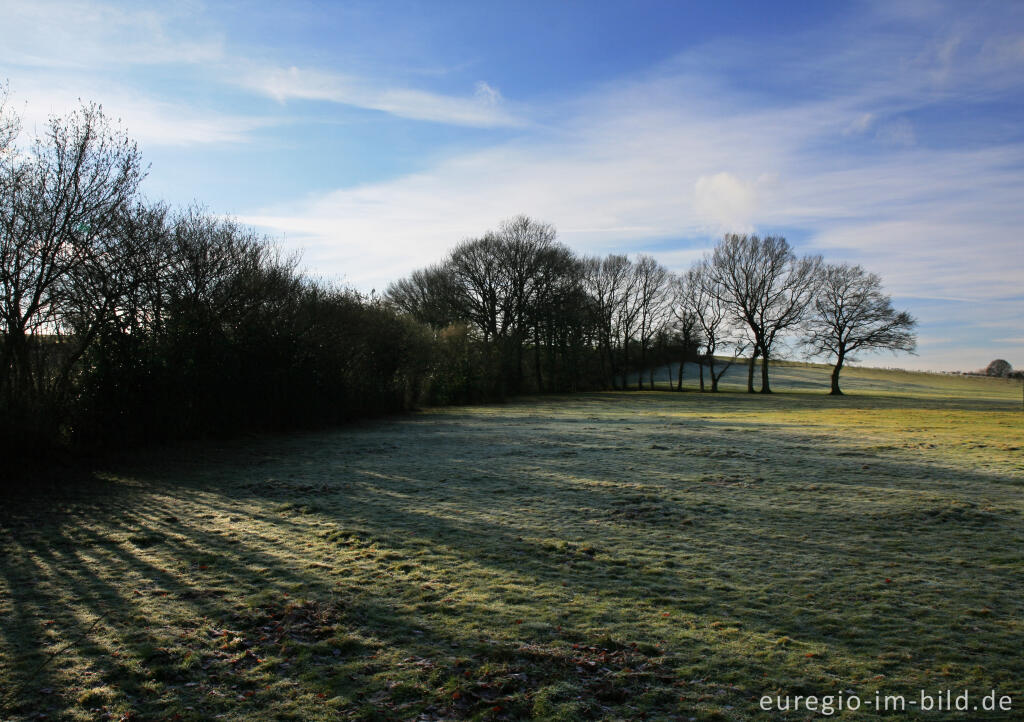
374	136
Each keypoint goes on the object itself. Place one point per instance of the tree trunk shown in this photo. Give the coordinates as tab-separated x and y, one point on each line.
519	363
750	372
602	353
700	370
625	364
679	386
765	388
536	360
553	374
610	357
836	391
612	370
640	368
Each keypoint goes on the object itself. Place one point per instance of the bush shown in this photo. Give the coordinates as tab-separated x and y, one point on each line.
999	367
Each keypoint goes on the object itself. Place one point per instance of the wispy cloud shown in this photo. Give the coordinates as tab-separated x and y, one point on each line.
59	51
149	121
625	172
70	35
483	108
58	54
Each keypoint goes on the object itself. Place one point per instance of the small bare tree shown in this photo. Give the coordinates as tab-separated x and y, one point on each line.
851	313
627	315
703	300
687	326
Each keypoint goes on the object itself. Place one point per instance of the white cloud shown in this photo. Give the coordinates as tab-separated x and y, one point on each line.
725	203
925	258
485	108
57	51
626	173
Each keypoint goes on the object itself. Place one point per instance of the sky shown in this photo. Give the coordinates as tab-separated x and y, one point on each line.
374	136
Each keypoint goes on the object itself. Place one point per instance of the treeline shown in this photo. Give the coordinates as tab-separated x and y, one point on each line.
123	321
517	311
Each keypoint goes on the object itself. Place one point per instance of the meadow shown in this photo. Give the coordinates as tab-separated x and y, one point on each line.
627	555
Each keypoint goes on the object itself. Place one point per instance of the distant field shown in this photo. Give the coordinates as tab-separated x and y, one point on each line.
814	377
613	556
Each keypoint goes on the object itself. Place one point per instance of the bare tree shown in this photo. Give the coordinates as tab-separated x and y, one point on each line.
851	313
627	315
502	285
703	300
686	322
524	253
478	285
766	287
427	296
607	281
557	316
121	320
60	212
10	123
651	288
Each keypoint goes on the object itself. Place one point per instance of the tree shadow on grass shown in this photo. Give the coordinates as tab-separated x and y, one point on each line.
350	544
171	635
174	638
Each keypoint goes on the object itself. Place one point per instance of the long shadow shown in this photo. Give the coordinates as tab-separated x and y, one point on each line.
120	650
384	512
95	564
510	549
404	509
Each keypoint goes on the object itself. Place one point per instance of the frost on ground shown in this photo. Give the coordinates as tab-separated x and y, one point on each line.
596	556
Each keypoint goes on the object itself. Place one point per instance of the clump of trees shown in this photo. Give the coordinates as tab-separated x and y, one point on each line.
122	320
542	319
507	308
767	289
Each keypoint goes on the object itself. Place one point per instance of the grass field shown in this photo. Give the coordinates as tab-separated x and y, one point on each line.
618	556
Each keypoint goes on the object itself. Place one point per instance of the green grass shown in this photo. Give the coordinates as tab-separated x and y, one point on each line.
602	555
